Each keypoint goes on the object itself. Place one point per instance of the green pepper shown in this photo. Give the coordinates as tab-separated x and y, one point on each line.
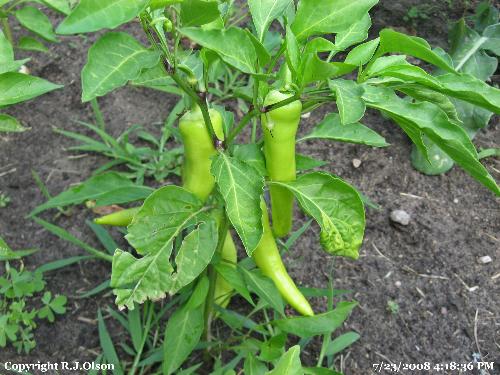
268	259
198	150
120	218
280	128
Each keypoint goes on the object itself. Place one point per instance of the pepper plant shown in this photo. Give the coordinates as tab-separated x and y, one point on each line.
290	59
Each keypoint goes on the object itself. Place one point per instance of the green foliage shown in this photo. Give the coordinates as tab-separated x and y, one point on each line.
19	291
4	200
16	87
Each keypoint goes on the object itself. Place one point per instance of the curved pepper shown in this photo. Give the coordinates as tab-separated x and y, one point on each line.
268	259
280	128
120	218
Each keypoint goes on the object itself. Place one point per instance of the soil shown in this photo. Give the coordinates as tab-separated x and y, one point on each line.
448	302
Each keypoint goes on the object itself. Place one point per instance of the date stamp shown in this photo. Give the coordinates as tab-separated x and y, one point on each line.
402	367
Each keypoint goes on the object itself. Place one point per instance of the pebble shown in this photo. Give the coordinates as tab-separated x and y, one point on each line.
397	283
485	260
444	311
455	200
400	217
356	163
24	69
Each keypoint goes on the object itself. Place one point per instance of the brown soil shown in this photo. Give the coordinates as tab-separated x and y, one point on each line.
427	267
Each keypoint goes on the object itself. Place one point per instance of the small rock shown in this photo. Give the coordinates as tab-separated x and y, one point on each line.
356	163
444	311
400	217
306	115
398	283
24	69
455	200
485	260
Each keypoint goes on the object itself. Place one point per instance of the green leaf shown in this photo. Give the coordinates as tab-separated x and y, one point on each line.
328	16
407	73
472	90
305	162
195	254
31	44
36	21
332	128
289	363
163	216
10	124
252	155
342	342
363	53
394	42
241	187
94	15
182	334
319	324
107	345
198	12
113	60
108	188
157	79
18	87
336	206
7	62
354	34
264	12
6	253
234	278
233	45
264	288
293	57
253	366
314	69
61	6
429	119
428	95
349	100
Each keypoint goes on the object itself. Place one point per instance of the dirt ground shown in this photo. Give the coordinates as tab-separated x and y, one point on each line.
448	303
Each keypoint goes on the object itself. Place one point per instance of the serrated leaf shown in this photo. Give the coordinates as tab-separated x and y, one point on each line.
264	12
198	12
18	87
10	124
113	60
233	45
332	128
159	221
36	21
289	363
349	99
106	189
241	186
319	324
337	208
94	15
328	16
427	118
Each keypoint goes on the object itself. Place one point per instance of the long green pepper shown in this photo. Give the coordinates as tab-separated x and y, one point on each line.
280	129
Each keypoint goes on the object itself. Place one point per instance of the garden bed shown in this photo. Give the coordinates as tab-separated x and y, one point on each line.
429	269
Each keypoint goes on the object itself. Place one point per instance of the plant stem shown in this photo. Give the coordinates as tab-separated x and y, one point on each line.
256	111
326	337
97	113
7	30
